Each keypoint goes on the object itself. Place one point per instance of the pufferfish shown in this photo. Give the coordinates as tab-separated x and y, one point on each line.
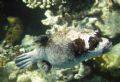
64	49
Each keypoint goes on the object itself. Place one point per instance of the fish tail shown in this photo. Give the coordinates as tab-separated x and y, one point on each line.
25	60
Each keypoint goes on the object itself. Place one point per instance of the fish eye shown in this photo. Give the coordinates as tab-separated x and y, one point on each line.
92	39
93	42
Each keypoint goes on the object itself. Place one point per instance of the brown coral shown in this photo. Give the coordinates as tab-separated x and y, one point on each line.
14	31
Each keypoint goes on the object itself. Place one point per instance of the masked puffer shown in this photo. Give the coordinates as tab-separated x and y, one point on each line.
64	49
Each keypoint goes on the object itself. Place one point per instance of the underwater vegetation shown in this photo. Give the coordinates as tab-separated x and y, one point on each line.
62	21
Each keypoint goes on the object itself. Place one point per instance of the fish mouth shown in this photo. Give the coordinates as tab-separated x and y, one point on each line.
107	47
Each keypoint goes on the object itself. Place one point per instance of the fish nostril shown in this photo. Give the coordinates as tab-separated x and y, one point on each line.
110	44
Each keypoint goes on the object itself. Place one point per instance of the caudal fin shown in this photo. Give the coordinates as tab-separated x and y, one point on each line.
23	61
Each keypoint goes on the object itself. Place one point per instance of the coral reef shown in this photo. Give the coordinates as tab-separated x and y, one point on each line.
10	67
77	72
33	76
117	1
82	15
28	43
42	3
12	74
111	24
58	22
110	60
3	60
83	19
23	78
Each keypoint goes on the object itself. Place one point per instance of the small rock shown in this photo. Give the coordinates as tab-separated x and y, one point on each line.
22	50
10	67
24	78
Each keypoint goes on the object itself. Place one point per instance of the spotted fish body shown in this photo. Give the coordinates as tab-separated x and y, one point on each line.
65	49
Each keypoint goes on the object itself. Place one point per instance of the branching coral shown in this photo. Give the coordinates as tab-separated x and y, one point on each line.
60	22
42	3
87	18
111	25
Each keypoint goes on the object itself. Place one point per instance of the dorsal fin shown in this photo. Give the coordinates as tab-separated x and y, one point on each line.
42	39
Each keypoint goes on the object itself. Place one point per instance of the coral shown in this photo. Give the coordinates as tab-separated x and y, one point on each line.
111	24
117	1
62	19
110	60
13	74
14	30
27	40
57	23
65	16
28	43
31	76
23	78
41	3
8	51
60	22
101	8
60	5
10	67
68	74
83	71
109	19
3	60
63	13
83	15
50	16
10	72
